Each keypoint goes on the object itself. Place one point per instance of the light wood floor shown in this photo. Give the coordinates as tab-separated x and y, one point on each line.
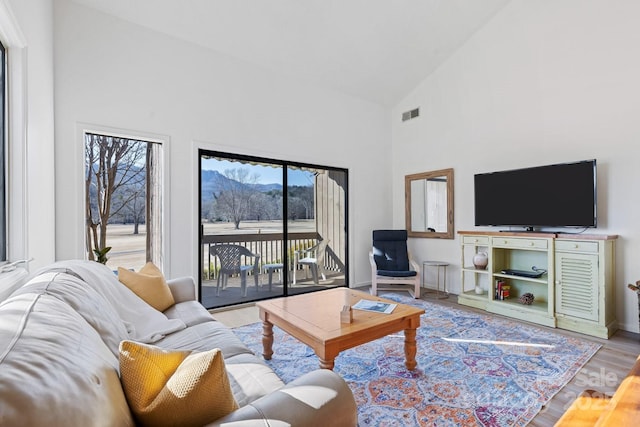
603	372
233	318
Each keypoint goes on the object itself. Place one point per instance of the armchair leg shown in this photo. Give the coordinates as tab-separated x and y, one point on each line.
218	285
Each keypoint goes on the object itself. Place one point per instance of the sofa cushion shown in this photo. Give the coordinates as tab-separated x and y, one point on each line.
190	312
149	284
86	301
175	387
321	390
54	367
250	377
205	336
143	322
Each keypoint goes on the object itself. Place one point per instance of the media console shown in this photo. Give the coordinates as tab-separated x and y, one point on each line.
576	292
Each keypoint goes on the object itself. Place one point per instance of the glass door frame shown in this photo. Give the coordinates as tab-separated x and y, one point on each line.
286	167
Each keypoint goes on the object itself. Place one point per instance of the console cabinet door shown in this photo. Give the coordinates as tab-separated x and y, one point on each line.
577	292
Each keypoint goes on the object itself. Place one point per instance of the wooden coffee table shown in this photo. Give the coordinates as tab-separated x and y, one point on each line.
314	319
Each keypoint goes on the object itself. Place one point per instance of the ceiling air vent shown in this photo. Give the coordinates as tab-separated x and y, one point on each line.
408	115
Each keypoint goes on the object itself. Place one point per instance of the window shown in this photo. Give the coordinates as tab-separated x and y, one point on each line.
3	154
291	218
122	200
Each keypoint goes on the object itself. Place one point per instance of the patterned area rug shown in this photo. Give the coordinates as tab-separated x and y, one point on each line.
473	369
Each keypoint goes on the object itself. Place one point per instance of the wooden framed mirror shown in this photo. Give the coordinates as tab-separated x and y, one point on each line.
429	204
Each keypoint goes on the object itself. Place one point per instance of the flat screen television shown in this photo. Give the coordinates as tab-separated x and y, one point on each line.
559	195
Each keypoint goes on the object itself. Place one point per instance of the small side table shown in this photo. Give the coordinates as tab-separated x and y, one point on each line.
439	265
270	268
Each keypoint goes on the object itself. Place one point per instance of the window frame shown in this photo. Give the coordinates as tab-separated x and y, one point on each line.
15	155
161	253
3	156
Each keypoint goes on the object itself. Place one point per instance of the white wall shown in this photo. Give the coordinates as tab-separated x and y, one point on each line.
112	73
546	81
31	146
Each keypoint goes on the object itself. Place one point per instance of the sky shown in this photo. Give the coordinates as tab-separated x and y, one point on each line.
267	174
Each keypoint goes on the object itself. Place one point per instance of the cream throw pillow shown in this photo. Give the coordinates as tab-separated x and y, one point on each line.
149	284
174	387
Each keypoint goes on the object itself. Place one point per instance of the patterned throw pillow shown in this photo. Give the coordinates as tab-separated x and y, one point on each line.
174	387
149	284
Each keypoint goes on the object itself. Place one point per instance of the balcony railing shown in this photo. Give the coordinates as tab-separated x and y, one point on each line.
270	248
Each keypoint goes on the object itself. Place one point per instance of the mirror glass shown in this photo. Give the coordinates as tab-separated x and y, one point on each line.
429	204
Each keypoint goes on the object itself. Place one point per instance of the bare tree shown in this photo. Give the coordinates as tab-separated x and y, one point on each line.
112	163
296	208
265	207
236	195
301	204
131	202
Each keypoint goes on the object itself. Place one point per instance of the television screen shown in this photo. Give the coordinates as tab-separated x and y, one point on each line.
561	195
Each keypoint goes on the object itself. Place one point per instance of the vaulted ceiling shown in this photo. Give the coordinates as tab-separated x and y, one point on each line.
377	50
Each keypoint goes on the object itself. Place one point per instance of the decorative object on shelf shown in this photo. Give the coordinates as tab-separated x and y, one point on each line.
479	290
505	293
480	260
527	299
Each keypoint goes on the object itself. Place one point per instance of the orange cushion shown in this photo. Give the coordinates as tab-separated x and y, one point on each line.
149	284
174	387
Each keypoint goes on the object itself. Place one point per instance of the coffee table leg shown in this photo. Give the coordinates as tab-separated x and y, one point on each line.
410	348
267	340
327	364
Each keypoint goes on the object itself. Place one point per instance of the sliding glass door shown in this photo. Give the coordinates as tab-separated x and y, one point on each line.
269	228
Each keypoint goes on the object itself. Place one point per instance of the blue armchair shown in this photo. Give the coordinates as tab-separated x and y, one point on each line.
391	263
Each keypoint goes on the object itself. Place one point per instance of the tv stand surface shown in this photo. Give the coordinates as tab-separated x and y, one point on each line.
557	235
507	233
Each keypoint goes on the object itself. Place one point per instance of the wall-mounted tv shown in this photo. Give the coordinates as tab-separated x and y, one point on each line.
559	195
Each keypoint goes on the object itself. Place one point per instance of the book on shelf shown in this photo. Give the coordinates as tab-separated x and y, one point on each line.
503	291
375	306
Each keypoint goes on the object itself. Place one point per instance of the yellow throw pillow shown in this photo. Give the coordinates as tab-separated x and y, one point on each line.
149	284
173	387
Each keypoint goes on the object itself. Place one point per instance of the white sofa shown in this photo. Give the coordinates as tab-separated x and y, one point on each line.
59	338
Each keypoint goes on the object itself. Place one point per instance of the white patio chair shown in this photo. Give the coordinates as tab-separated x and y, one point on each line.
311	259
230	257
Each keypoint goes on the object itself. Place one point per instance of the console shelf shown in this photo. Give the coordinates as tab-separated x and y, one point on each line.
575	293
541	281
